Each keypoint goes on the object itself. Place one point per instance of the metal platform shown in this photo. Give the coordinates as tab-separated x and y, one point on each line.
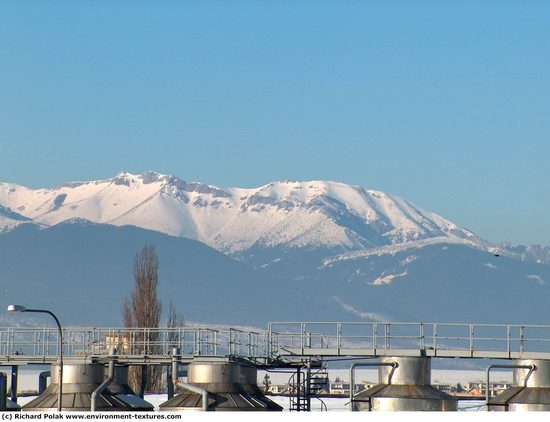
282	341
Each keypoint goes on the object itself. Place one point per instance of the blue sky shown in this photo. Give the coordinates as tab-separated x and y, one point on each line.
445	103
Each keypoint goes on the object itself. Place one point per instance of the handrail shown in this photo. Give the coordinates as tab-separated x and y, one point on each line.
283	338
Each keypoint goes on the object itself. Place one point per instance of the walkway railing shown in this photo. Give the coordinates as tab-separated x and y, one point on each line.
43	342
397	338
286	339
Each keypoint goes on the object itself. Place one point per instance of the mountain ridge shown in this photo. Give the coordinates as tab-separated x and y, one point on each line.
286	251
291	213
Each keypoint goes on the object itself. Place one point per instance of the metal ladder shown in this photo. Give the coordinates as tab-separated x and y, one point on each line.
307	385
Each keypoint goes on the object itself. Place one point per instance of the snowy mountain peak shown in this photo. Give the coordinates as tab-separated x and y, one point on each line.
308	214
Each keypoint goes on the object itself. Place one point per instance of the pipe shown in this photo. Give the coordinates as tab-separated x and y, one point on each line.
487	395
185	386
169	383
3	391
43	381
104	384
14	379
143	385
365	364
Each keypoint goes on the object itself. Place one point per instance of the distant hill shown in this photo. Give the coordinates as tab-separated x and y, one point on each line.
84	272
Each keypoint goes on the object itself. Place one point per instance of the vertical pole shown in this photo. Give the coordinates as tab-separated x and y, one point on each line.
14	370
508	345
307	387
215	342
302	336
269	340
143	381
471	340
521	338
338	338
3	391
169	383
298	388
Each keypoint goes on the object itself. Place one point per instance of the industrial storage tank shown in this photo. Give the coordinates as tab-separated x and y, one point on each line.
404	386
229	386
530	388
79	382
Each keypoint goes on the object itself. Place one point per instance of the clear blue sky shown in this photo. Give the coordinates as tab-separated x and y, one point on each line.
445	103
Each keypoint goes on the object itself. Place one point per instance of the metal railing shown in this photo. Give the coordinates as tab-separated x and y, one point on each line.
284	339
434	339
43	342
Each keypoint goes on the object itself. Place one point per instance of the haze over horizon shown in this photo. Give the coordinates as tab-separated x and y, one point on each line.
443	104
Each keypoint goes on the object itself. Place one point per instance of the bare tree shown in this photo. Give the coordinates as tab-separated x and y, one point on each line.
144	310
175	320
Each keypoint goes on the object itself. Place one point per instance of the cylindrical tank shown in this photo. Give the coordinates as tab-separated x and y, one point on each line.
230	386
79	382
406	386
530	388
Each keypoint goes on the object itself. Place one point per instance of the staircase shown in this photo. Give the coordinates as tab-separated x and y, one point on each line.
307	383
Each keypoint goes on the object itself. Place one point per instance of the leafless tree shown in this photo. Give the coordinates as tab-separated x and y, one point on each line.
144	310
175	320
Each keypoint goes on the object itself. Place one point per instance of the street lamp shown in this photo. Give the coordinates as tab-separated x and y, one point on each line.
20	308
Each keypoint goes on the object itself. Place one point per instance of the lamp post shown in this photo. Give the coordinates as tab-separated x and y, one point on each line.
19	308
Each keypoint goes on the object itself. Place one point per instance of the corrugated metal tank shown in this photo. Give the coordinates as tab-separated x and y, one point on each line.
406	387
230	386
530	390
79	382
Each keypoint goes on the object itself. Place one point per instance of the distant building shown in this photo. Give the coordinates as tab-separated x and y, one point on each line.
446	388
342	387
278	389
494	387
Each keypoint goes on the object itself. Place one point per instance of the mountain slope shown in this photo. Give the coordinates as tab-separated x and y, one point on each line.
315	214
84	272
284	251
9	219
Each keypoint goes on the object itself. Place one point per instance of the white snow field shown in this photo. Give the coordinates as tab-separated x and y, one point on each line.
296	214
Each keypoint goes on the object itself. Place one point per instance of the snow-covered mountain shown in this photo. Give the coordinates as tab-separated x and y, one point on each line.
10	220
297	251
316	214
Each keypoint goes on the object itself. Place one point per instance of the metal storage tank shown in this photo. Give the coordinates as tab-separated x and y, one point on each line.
406	387
530	390
79	382
229	386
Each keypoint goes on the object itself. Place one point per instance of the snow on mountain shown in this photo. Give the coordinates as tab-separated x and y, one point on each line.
9	219
291	214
